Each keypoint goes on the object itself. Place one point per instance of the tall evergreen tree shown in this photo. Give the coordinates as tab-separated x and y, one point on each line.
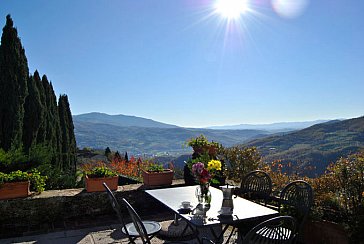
13	87
33	115
107	151
53	129
41	135
68	136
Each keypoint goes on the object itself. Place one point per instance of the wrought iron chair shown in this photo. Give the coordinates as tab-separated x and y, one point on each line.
150	228
276	230
143	229
296	199
256	185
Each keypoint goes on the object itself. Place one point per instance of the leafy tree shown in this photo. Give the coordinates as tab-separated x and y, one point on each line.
13	86
240	161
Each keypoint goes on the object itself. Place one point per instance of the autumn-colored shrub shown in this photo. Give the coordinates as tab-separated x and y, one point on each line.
131	168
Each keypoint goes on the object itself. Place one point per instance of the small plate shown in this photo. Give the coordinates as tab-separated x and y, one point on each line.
150	226
225	213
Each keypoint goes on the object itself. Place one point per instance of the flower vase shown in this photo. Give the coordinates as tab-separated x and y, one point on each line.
203	195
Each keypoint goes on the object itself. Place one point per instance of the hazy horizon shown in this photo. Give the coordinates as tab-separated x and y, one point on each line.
199	63
223	125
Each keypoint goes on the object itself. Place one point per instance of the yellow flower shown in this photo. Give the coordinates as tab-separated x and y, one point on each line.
214	165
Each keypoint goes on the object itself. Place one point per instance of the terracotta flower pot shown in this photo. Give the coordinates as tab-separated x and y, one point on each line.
95	184
158	178
14	190
324	232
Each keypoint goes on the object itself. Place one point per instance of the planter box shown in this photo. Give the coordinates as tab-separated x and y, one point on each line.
158	178
14	190
317	232
95	184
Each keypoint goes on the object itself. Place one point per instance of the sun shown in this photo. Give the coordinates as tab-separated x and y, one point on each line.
231	9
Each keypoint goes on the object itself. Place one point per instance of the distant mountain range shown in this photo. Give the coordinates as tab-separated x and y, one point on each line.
317	146
139	136
120	120
274	127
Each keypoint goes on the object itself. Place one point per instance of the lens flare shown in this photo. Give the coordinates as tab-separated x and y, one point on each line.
231	9
289	8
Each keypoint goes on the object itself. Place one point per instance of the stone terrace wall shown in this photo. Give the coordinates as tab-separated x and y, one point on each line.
71	208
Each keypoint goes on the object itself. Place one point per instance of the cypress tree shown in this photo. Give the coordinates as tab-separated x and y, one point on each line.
13	87
126	158
53	131
33	115
68	136
107	152
41	135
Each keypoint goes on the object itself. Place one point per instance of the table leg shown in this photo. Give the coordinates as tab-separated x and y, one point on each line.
221	236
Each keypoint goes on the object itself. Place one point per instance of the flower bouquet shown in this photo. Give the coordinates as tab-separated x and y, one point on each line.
203	175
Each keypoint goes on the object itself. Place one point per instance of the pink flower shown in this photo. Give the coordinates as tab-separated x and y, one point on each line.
201	174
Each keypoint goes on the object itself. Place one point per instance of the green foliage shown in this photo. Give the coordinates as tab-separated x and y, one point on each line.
14	176
202	146
241	160
349	173
53	136
40	153
155	167
13	87
57	179
68	141
33	115
204	151
100	172
13	155
37	181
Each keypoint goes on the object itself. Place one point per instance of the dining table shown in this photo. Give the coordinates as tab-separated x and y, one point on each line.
197	215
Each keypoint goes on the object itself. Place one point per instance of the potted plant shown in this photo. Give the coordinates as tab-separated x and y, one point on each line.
203	151
97	175
157	175
16	184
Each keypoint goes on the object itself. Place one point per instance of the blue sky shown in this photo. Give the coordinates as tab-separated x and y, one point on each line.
181	62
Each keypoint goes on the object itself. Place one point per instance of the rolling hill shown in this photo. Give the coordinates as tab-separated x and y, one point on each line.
315	146
150	141
120	120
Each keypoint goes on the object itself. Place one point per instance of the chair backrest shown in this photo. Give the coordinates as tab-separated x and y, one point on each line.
138	224
257	185
296	199
115	205
276	230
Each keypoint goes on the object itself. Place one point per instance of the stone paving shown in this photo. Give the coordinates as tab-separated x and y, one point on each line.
98	235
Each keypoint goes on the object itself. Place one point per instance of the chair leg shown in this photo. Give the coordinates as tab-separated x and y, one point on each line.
231	233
